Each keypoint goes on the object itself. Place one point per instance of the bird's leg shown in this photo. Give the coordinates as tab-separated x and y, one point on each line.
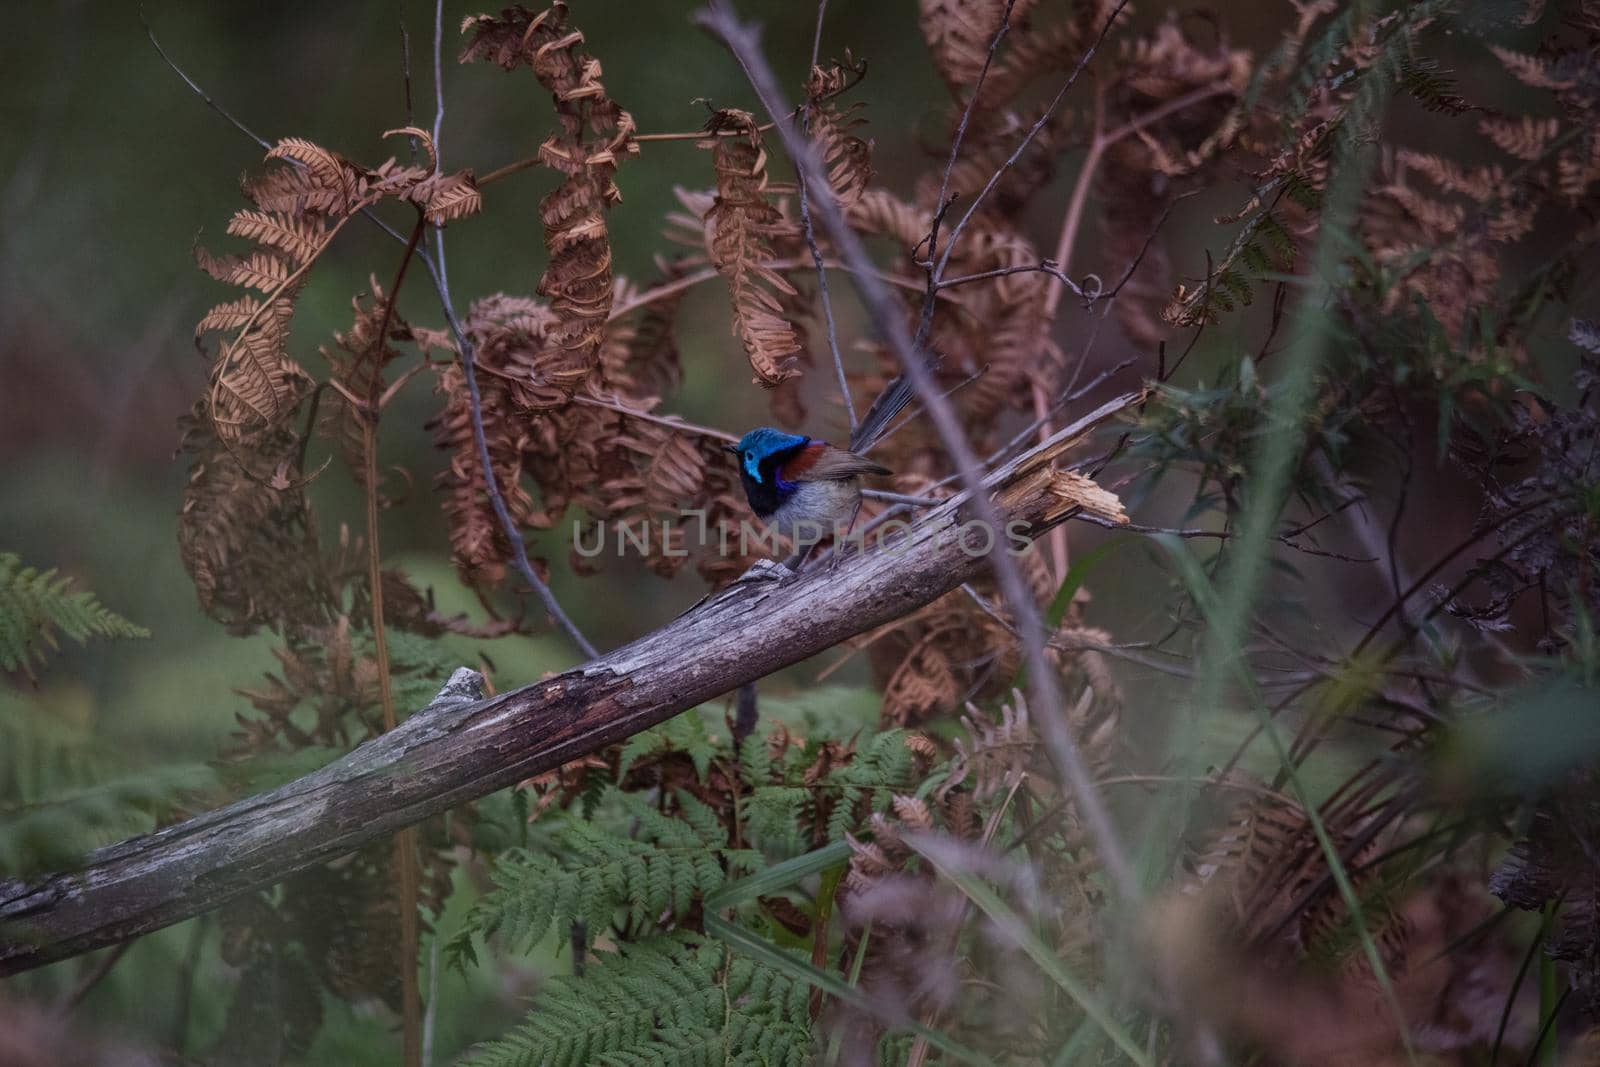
798	560
841	541
766	570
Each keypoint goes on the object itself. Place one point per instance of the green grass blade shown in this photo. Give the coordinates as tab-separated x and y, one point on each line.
1076	575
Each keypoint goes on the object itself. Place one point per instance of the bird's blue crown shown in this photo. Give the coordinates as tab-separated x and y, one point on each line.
762	442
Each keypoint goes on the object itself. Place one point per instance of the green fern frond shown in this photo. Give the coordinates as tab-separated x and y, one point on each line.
666	1000
686	733
773	815
655	868
35	606
62	795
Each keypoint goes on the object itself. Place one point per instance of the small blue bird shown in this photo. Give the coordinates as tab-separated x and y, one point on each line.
806	488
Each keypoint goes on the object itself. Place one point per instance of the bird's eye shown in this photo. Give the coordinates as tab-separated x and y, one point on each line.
749	457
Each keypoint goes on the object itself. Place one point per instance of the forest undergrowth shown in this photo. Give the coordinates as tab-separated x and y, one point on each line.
1384	283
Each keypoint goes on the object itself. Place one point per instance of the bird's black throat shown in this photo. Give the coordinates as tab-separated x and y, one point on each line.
764	496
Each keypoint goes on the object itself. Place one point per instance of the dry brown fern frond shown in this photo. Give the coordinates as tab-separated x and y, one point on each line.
924	683
1539	72
302	200
477	543
246	536
1439	259
847	156
356	361
502	329
1267	869
739	227
255	384
1142	174
1480	184
958	35
662	469
1525	137
593	134
640	356
447	197
299	236
995	755
1252	861
994	329
320	672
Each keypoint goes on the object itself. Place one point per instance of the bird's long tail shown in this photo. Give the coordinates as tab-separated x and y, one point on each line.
875	423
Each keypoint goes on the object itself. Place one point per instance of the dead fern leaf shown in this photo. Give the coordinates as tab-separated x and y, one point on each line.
298	237
326	168
1578	168
994	756
447	197
958	34
227	317
641	357
356	360
922	686
1534	71
263	269
247	546
293	191
478	545
738	225
1481	184
507	333
1524	138
847	157
578	279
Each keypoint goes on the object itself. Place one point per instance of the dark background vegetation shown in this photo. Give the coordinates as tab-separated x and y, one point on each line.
110	168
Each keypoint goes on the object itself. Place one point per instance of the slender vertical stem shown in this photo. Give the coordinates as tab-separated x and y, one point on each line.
1052	298
405	842
438	269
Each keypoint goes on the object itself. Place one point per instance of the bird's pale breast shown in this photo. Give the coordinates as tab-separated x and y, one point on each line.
813	509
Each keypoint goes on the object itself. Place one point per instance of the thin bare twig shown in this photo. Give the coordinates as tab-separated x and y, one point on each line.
689	281
438	73
1027	139
201	93
530	162
902	498
942	202
1044	266
719	18
669	421
811	240
93	975
438	269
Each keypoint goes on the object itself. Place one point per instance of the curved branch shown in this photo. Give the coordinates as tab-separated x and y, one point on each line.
460	747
